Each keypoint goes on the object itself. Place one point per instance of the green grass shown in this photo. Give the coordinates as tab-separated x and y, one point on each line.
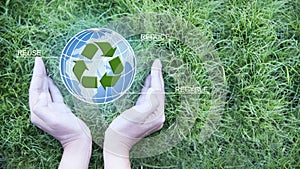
258	45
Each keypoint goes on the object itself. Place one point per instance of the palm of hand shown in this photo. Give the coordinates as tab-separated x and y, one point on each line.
62	123
147	116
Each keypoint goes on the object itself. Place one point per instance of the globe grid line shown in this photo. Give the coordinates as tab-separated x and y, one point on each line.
85	34
67	50
72	51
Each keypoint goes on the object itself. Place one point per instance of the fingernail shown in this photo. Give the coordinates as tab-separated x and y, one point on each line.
156	65
37	59
39	67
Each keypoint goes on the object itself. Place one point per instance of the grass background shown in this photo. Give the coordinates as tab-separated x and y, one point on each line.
258	45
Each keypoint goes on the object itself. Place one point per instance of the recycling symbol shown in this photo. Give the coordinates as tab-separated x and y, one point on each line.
89	52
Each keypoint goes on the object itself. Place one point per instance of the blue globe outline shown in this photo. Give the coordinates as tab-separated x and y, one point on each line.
110	93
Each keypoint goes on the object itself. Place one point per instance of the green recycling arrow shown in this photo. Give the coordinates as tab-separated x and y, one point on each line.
89	82
116	65
106	48
79	68
109	81
89	52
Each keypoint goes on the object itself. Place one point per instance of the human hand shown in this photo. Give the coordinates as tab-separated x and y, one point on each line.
146	117
49	113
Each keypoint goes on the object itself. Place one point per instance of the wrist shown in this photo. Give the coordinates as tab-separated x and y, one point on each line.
82	137
113	161
116	150
79	142
76	154
117	144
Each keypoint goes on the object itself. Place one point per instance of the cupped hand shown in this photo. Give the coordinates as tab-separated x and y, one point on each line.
146	117
48	111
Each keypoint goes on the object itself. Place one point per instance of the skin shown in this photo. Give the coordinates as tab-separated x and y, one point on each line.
49	113
146	117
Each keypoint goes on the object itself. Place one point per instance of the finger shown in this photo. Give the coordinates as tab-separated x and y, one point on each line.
161	97
43	101
37	81
158	113
146	85
47	90
54	92
156	75
144	90
140	113
162	81
41	109
150	103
